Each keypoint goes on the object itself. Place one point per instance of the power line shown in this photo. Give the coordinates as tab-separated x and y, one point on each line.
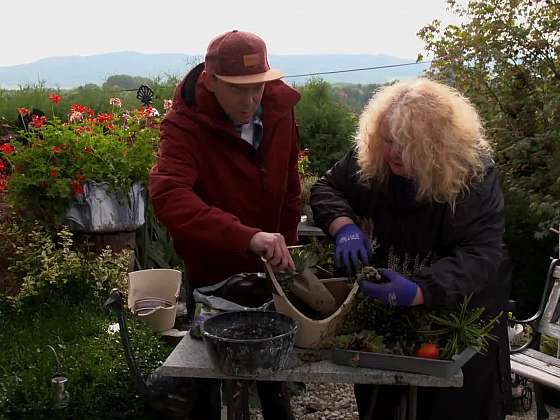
359	69
387	66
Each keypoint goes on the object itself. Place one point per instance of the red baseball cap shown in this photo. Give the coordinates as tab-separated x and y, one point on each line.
240	58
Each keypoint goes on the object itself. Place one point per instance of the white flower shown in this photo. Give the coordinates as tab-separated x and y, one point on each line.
115	102
167	104
76	117
113	328
152	111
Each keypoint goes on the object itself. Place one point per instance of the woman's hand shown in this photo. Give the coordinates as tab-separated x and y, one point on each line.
351	247
397	290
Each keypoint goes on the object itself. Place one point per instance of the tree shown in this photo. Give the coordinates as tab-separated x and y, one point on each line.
355	96
505	58
125	81
326	126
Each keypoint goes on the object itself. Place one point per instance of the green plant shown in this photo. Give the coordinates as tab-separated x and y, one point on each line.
304	259
46	269
397	326
461	328
99	382
49	165
326	126
324	249
307	182
362	341
402	330
154	246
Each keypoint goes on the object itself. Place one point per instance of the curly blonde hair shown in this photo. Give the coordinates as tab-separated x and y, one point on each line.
438	131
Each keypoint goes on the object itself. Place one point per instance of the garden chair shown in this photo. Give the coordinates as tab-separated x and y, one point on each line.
527	360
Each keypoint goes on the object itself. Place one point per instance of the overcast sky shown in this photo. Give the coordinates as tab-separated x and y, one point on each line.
34	29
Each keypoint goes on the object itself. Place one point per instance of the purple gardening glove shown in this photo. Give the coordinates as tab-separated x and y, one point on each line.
398	290
351	244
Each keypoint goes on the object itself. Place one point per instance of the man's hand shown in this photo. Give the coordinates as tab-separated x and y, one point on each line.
397	290
272	247
351	247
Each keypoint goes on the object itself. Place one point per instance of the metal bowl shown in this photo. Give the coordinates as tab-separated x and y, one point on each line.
249	343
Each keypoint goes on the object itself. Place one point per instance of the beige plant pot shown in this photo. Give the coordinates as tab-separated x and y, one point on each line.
153	296
311	332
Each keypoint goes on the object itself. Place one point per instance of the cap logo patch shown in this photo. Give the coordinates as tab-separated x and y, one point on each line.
250	60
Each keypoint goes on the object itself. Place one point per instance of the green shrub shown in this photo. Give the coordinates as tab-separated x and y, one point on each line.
326	127
49	270
99	383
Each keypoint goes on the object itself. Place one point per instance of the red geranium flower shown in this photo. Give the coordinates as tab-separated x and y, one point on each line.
54	98
2	165
39	122
6	148
77	108
104	117
53	173
56	149
23	111
77	184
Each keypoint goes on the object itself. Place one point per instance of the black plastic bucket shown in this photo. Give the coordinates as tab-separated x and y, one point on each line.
249	343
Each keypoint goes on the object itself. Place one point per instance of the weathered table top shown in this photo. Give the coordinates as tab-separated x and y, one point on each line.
190	359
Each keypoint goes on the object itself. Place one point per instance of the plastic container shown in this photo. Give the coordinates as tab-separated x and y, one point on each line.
312	332
435	367
249	343
153	296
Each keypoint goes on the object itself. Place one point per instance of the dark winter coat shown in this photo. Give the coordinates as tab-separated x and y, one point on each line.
449	253
214	191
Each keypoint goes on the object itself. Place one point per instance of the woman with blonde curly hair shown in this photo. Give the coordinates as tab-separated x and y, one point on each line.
423	177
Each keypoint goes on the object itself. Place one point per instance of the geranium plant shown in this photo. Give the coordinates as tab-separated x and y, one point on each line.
50	163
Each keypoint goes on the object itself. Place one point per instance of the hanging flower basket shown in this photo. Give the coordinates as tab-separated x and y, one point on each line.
88	172
101	210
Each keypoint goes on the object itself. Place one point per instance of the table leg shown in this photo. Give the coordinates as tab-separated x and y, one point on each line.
236	395
412	402
372	402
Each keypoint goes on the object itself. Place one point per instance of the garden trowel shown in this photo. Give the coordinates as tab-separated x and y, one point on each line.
309	289
314	293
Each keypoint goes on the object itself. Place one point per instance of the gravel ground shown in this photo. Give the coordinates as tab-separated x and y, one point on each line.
336	401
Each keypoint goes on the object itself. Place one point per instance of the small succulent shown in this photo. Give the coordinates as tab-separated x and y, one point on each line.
369	273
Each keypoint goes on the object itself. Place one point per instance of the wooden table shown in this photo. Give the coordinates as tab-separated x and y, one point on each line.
190	359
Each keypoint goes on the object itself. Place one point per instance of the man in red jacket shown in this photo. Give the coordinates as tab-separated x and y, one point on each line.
226	183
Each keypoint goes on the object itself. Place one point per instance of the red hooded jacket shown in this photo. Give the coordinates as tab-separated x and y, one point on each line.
213	191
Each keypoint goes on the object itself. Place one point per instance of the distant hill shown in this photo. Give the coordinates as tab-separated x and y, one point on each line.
72	71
